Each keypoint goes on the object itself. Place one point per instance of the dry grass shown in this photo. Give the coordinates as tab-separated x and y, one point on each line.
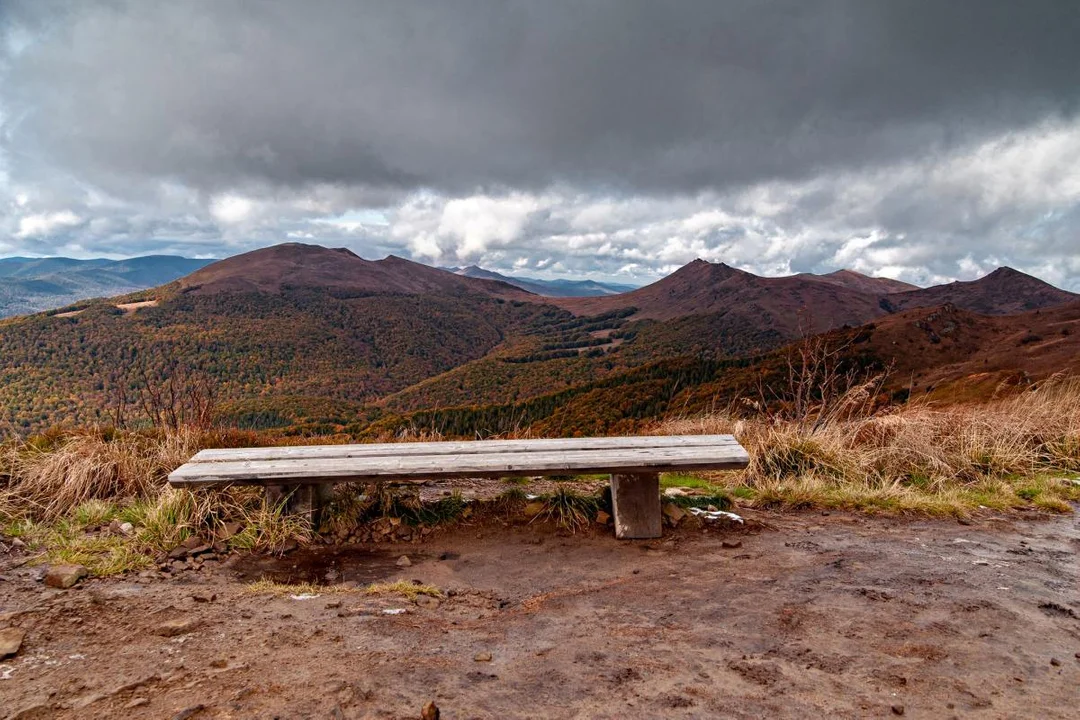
940	460
51	476
404	588
265	586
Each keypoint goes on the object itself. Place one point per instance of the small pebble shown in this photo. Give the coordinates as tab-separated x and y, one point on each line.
1055	662
898	709
482	657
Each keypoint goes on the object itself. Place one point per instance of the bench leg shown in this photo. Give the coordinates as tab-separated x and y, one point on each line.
304	500
635	500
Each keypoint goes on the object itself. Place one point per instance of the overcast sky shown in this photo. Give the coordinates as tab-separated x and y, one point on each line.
925	141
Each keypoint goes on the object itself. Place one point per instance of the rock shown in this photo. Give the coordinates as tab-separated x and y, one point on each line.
11	639
404	561
427	601
201	550
178	565
126	528
178	553
1055	662
192	542
603	518
675	492
65	576
173	628
219	663
430	711
229	529
136	702
533	508
731	544
674	513
482	657
188	712
897	709
18	543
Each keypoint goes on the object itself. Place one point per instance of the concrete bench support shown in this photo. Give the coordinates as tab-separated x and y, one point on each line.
635	500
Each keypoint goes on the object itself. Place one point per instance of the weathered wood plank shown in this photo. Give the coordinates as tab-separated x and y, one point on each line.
472	447
602	460
635	503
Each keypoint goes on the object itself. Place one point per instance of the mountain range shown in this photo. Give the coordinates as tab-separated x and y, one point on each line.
547	288
301	338
34	284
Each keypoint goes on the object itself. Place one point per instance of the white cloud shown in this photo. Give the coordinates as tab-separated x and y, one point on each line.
45	224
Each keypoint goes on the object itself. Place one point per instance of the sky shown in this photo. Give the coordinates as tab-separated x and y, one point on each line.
615	139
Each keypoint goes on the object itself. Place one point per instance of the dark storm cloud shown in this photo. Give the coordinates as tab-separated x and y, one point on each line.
630	96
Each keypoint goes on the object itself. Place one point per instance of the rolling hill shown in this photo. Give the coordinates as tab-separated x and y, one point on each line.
311	338
35	284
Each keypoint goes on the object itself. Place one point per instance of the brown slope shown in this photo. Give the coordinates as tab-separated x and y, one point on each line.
294	264
948	347
786	304
862	283
1003	292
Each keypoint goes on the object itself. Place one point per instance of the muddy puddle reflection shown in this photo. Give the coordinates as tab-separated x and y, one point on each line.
321	565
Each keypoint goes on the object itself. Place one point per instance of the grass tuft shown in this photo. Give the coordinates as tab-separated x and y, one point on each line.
404	588
568	509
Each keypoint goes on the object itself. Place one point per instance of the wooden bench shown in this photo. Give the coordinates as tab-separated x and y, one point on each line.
300	474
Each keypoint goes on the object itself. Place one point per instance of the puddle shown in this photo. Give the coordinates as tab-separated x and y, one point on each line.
326	565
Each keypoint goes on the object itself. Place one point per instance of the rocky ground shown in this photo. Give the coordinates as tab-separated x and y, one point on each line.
803	615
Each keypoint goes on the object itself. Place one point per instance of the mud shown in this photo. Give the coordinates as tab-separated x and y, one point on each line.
838	616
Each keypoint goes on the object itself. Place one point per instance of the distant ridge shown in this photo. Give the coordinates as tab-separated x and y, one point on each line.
548	288
1005	291
33	284
793	304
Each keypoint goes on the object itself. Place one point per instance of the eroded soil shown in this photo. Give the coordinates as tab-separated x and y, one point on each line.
812	616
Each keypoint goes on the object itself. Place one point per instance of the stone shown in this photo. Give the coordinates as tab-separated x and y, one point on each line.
482	657
897	709
173	628
18	543
229	529
189	712
192	542
136	702
404	561
674	513
603	518
65	576
219	663
126	528
178	565
533	508
427	601
11	639
1055	662
731	544
430	711
201	550
178	553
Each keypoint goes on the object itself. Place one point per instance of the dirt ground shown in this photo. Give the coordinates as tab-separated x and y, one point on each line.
812	616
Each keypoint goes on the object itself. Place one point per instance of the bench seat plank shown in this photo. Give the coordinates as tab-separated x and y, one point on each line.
473	447
626	460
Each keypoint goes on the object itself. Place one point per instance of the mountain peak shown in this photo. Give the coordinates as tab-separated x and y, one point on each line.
274	268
